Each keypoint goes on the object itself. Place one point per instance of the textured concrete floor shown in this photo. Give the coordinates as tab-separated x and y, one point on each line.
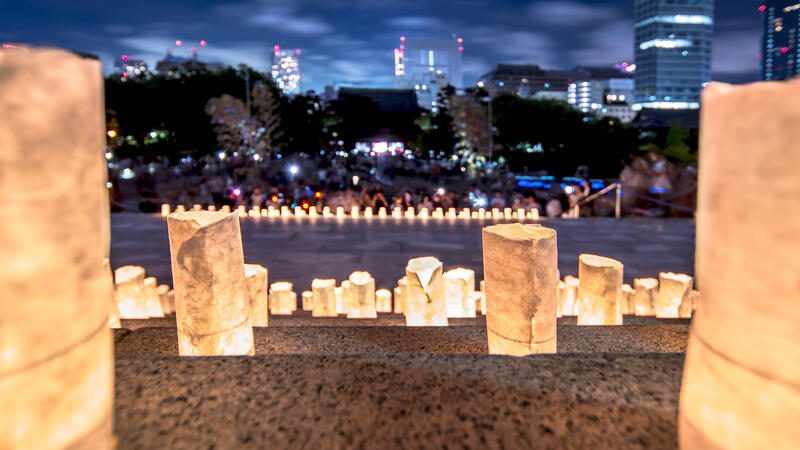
299	250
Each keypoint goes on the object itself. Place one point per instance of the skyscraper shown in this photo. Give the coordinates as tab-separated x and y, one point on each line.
673	52
779	44
286	70
428	65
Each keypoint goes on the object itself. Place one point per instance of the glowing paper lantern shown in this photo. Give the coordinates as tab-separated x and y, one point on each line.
423	213
211	308
362	296
113	309
56	356
568	303
347	299
674	289
339	296
483	297
285	212
383	301
520	263
438	213
410	213
382	212
153	303
323	296
628	304
164	210
326	211
212	208
645	291
425	290
293	301
507	213
476	215
521	214
131	296
397	213
166	298
180	208
451	213
312	211
197	207
534	214
600	291
280	298
459	284
257	279
400	297
368	211
226	209
241	211
741	379
354	211
307	300
339	211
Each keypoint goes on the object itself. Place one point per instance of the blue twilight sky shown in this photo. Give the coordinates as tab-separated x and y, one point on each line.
350	41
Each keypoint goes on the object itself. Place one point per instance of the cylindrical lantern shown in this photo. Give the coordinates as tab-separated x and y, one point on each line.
368	211
131	296
113	309
483	297
362	296
257	279
425	293
165	298
459	284
164	210
381	212
741	379
180	208
281	302
307	301
211	305
570	299
153	305
339	211
338	292
673	289
225	209
293	301
211	208
56	356
323	296
400	297
520	264
645	291
347	298
197	207
628	305
451	213
410	214
354	211
383	301
600	291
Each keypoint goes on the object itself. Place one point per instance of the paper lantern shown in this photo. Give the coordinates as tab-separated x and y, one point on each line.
459	284
383	301
600	291
339	211
339	296
241	211
166	298
521	214
131	296
257	279
410	213
153	303
741	383
164	210
645	291
293	301
382	212
362	296
451	213
673	289
280	299
197	207
212	310
307	300
568	303
425	293
180	208
312	211
464	214
212	208
476	215
520	264
400	297
628	304
113	310
323	296
368	211
534	214
397	213
347	299
56	356
225	209
423	213
483	297
285	212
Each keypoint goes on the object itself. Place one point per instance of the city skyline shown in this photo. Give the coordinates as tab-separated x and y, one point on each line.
346	42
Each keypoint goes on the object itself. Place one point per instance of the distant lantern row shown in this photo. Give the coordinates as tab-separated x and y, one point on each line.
356	212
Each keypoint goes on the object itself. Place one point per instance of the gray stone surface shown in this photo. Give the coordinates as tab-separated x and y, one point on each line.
299	250
398	401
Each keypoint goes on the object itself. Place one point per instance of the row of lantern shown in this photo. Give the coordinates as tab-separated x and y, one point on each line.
356	212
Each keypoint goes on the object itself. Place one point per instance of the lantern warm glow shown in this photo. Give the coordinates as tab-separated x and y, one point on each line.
368	211
628	303
645	291
131	296
483	297
600	291
520	264
425	293
211	305
383	301
339	297
382	212
459	284
225	209
153	303
400	298
410	213
212	208
180	208
354	211
568	303
347	299
673	289
362	293
307	300
164	210
257	279
281	302
166	298
197	207
323	296
741	378
339	211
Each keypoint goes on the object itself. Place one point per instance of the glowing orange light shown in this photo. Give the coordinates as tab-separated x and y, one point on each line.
275	199
305	205
317	194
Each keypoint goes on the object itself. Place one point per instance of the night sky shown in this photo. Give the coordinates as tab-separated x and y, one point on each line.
351	41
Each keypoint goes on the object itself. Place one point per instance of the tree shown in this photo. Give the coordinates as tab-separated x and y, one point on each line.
230	117
471	123
267	119
675	146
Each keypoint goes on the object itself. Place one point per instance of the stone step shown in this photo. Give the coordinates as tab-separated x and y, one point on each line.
335	340
398	401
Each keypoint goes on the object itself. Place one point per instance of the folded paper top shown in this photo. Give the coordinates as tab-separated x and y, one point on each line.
319	283
127	273
599	261
201	218
521	232
254	269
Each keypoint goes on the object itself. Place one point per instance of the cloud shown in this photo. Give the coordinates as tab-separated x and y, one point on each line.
570	13
417	22
285	18
736	51
606	45
518	47
254	54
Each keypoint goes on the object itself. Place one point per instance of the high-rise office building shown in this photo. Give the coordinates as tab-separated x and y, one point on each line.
525	80
286	70
427	66
604	91
672	52
779	43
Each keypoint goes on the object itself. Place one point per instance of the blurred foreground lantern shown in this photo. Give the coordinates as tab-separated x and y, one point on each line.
56	357
673	289
383	301
520	263
645	291
368	211
257	279
600	291
307	300
225	209
280	299
400	297
425	293
113	309
689	305
483	297
568	303
131	295
741	379
362	294
459	284
153	304
166	298
211	305
323	296
628	306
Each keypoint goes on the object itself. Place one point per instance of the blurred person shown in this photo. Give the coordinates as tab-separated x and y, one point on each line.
426	202
257	198
497	201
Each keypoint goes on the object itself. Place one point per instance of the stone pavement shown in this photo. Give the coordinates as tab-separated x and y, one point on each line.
299	250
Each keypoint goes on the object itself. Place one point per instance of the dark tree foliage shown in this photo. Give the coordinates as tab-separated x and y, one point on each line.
303	124
436	130
568	138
